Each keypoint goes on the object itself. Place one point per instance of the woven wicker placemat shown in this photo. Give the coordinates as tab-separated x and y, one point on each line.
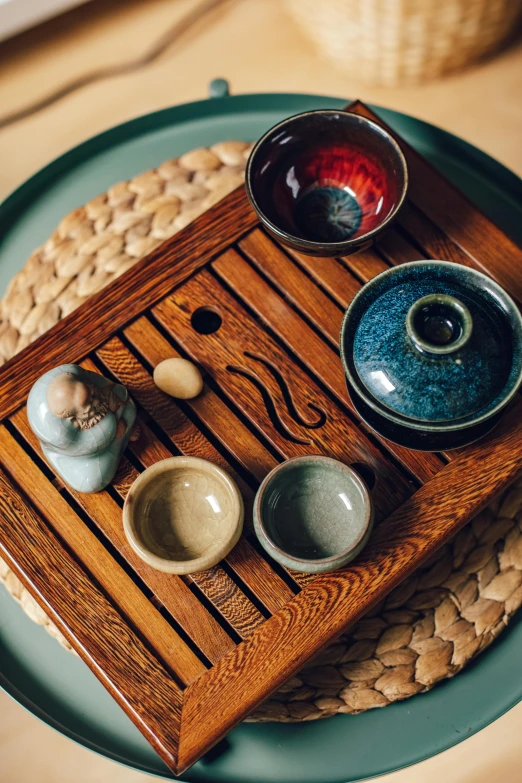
436	620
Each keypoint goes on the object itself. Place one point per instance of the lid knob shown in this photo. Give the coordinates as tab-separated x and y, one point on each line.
439	324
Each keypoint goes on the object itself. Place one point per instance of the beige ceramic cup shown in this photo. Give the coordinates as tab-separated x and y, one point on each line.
183	515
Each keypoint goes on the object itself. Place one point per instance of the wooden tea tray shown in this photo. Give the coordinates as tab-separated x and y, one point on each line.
189	657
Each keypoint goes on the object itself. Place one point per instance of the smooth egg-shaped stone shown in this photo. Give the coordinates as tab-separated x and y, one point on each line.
178	378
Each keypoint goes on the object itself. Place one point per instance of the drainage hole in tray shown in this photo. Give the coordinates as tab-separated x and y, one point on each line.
206	320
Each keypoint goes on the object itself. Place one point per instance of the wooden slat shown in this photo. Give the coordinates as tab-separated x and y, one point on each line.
331	274
337	437
257	574
435	242
333	601
341	277
228	599
153	277
147	448
208	406
307	345
172	592
397	249
298	288
124	478
365	264
486	246
137	681
97	560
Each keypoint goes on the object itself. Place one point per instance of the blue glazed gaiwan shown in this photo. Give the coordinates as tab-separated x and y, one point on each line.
432	353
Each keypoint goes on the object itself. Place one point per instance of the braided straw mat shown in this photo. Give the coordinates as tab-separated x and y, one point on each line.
436	620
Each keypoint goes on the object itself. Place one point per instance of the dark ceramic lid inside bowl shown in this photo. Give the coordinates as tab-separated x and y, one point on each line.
432	346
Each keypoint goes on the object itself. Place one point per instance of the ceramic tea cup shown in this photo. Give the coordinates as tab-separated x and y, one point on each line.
183	514
326	182
432	352
313	514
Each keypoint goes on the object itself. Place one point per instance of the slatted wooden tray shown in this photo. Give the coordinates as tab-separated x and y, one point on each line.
189	657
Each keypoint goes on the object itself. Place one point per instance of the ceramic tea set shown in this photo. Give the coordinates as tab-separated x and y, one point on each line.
432	353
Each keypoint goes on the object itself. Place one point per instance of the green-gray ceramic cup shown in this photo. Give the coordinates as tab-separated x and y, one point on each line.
313	514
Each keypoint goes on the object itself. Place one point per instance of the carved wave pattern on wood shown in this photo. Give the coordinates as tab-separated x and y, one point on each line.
271	404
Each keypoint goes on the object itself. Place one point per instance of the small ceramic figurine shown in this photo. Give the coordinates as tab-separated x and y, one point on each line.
83	422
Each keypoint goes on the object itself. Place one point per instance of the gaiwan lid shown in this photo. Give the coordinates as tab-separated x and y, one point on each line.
432	341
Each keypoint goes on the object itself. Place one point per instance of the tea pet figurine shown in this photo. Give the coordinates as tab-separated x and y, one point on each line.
83	422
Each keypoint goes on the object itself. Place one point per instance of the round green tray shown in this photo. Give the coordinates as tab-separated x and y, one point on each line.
55	685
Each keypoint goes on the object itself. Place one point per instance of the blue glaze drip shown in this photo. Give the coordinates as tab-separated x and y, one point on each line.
328	214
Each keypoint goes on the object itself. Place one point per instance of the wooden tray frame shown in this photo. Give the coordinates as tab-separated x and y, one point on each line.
188	659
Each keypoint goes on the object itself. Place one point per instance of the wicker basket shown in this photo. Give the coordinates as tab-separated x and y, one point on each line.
394	42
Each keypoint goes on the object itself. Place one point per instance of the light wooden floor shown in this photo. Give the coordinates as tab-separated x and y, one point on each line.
255	46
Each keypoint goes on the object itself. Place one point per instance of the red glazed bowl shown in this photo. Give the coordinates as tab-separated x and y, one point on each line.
326	182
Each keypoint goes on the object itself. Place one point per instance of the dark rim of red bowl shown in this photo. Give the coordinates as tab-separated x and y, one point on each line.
308	243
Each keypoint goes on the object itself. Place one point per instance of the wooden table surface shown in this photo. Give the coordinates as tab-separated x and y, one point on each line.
276	59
